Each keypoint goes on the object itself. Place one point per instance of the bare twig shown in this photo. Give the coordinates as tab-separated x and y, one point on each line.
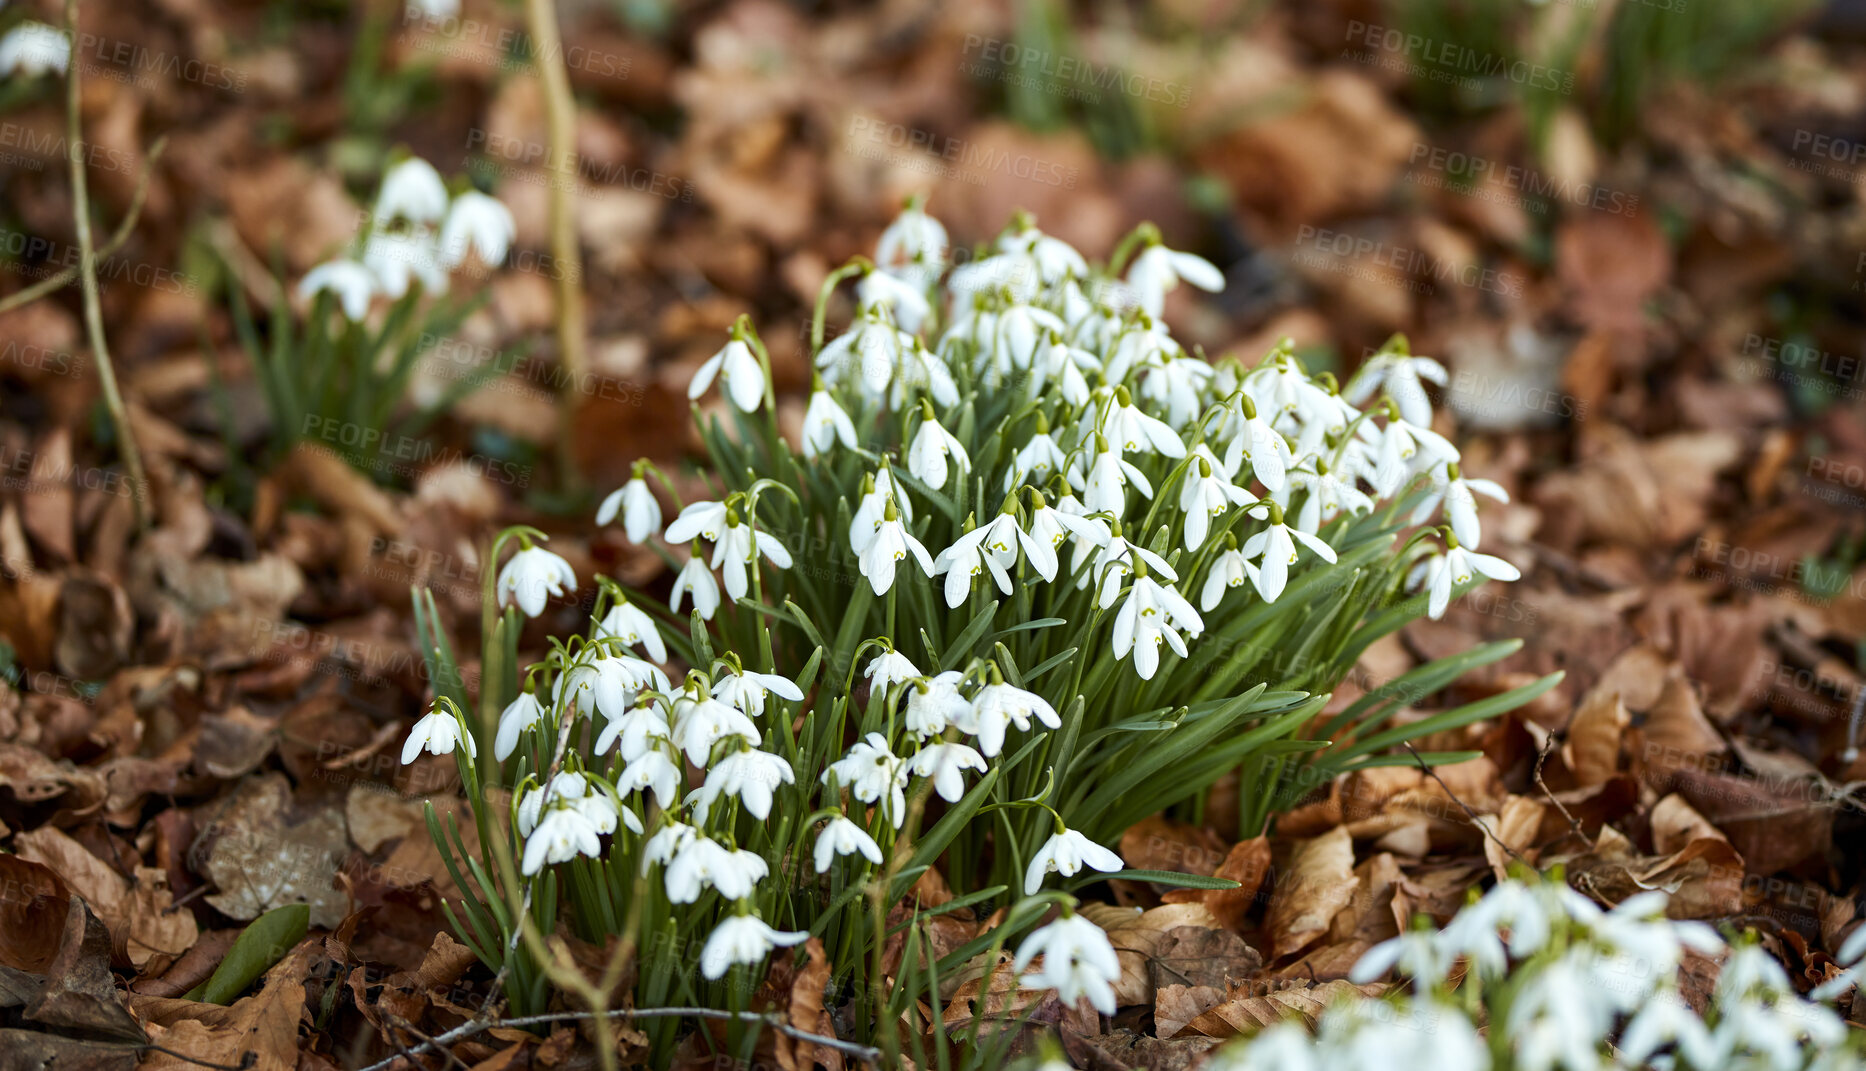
1542	756
1475	820
109	248
866	1054
560	109
87	271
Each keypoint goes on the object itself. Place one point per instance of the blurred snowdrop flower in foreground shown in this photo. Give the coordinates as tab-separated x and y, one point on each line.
433	10
32	49
532	577
401	259
743	939
352	283
1078	961
476	223
412	190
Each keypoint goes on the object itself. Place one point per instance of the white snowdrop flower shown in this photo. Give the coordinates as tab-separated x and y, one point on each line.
1229	570
1275	550
1459	498
747	690
437	731
1065	853
652	771
1013	274
902	299
519	715
667	843
697	580
641	512
1206	494
1327	494
1666	1020
843	837
476	223
412	190
738	545
1177	388
531	577
703	519
1104	487
1078	961
1115	562
1063	365
888	669
1001	539
1053	526
962	561
1751	972
636	730
1020	331
932	445
880	492
1400	451
913	246
1760	1030
873	773
1055	259
699	725
576	688
825	423
566	786
1153	613
1474	932
564	834
1037	460
1129	429
998	706
619	678
399	259
1417	953
1400	374
935	703
892	543
32	49
1159	269
743	940
434	10
1560	1018
699	862
352	283
629	624
739	373
753	776
1439	573
1284	1046
1249	437
1144	343
1852	956
944	764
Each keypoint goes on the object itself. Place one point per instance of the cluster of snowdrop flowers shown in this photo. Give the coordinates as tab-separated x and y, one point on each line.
418	234
32	49
953	617
1563	983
